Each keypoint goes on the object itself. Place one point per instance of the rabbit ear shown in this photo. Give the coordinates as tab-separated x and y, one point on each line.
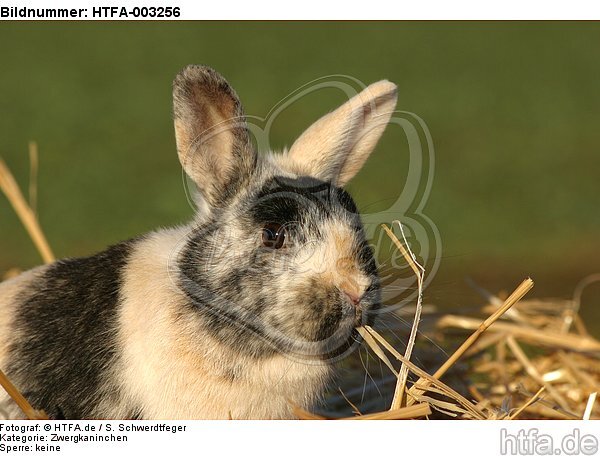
336	146
212	137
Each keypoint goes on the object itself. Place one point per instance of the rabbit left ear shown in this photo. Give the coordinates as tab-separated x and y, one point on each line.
212	137
336	146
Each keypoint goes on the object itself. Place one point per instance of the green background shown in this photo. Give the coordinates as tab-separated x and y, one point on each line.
513	110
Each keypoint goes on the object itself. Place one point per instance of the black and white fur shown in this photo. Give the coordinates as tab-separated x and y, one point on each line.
203	320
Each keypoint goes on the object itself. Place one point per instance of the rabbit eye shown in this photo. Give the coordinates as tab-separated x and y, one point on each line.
273	236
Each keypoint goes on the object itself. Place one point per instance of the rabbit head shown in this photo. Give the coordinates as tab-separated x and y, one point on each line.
277	260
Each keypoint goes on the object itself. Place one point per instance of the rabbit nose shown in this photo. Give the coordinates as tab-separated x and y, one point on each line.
352	297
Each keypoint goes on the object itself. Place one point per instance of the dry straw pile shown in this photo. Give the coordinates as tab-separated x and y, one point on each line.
541	359
527	358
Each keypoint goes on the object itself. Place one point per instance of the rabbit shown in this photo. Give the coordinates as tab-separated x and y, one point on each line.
239	314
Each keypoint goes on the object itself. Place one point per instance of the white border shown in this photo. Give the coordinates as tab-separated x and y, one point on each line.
348	9
307	438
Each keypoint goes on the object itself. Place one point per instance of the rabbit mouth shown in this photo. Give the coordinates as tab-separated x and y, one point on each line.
341	329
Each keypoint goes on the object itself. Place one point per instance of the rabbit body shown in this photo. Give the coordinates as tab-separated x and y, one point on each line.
238	314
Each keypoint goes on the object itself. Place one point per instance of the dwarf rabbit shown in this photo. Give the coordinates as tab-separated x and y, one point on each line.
238	314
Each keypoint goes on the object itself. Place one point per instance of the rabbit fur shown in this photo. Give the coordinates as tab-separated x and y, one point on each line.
206	321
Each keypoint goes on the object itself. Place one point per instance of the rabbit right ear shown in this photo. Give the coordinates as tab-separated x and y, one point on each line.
212	137
336	146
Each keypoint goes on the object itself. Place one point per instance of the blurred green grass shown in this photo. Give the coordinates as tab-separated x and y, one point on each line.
513	109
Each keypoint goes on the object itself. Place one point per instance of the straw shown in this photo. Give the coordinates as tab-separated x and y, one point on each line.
420	274
20	400
516	295
27	216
